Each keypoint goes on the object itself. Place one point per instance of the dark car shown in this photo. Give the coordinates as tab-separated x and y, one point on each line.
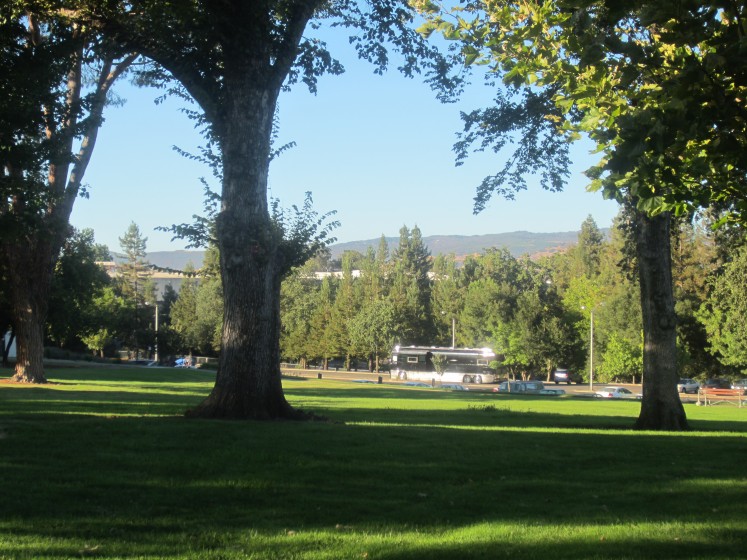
740	384
717	383
565	376
687	385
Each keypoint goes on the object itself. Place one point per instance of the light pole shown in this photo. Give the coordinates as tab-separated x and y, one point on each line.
155	346
155	353
453	329
591	347
591	350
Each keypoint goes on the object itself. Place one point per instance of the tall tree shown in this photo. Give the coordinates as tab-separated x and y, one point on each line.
49	121
411	288
694	261
166	339
135	271
621	361
589	247
372	277
109	319
446	299
320	343
481	312
77	280
136	285
658	86
546	335
723	313
345	308
372	331
184	313
233	59
297	299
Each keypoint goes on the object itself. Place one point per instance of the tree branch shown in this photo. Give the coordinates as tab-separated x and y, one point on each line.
298	16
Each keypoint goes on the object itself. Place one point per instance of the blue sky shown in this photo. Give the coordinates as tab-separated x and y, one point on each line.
377	149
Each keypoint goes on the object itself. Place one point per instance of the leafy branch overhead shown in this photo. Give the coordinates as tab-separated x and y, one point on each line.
658	87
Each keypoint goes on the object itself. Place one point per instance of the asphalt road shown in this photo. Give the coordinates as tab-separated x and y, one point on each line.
580	390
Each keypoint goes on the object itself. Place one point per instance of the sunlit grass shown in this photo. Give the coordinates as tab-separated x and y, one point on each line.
102	464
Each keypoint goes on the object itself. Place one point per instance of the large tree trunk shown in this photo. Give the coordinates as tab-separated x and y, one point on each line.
248	383
29	281
236	84
31	252
661	408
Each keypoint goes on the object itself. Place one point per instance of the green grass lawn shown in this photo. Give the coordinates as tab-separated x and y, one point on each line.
101	464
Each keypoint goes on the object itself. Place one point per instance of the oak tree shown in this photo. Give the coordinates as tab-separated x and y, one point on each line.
233	58
659	87
49	121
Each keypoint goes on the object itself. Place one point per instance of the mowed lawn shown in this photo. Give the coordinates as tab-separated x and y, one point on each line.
101	464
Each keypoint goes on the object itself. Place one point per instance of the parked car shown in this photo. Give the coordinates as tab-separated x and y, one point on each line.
617	393
687	386
454	387
740	384
562	375
140	362
717	383
519	387
184	362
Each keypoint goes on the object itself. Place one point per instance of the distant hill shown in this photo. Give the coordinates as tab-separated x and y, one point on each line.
173	260
518	243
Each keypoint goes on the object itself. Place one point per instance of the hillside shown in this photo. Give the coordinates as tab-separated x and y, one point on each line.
517	242
172	260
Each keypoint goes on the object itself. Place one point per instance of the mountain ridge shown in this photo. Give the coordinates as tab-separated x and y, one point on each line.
517	242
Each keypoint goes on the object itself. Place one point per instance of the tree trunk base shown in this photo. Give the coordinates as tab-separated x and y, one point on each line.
662	419
30	379
219	409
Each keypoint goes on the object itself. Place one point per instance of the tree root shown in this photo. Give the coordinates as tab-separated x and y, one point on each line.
211	409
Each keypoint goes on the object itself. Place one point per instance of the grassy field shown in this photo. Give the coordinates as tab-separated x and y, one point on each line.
102	465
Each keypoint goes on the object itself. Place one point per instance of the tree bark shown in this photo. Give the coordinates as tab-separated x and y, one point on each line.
236	83
31	251
661	408
248	383
29	281
252	253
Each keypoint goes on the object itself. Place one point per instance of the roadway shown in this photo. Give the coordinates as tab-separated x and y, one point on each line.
579	390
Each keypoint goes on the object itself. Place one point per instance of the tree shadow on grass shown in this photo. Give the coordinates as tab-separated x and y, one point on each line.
131	374
465	480
397	406
50	402
175	487
388	405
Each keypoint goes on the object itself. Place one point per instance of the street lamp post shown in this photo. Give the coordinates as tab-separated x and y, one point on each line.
155	346
155	354
591	350
591	347
453	329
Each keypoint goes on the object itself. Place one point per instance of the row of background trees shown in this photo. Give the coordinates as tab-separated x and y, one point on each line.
536	313
658	87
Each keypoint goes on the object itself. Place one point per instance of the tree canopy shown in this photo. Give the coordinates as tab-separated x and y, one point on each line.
233	59
653	86
659	87
58	71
